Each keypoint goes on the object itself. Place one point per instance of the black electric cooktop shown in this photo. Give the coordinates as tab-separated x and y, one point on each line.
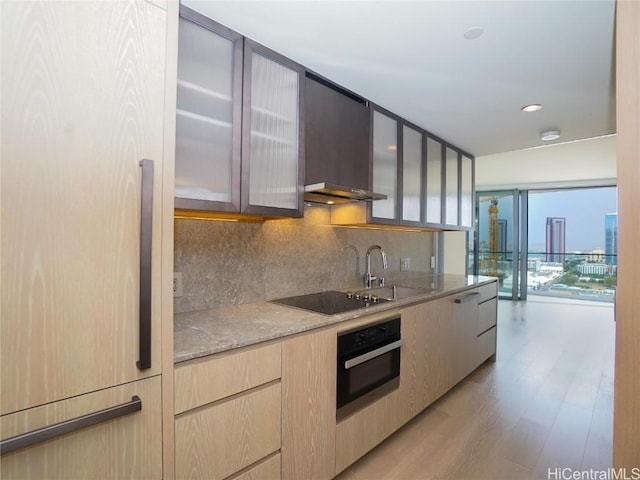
328	303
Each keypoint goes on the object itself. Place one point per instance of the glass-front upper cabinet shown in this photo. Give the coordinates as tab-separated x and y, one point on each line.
385	166
273	142
434	170
239	135
466	191
208	115
412	166
451	187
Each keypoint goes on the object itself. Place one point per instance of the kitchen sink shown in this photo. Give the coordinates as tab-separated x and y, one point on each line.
395	292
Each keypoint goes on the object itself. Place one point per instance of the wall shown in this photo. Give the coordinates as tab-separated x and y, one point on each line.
587	162
228	263
454	246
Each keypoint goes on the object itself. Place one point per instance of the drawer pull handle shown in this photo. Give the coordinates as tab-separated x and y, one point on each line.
466	298
68	426
146	239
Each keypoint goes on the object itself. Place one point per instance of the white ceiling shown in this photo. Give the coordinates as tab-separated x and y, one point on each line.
411	57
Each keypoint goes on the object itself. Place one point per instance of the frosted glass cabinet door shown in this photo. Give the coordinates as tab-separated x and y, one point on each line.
273	153
434	182
385	165
208	115
411	174
466	193
451	185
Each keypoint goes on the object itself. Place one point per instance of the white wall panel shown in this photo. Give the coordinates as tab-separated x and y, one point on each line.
584	163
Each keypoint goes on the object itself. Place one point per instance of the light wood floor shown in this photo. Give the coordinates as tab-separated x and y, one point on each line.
547	402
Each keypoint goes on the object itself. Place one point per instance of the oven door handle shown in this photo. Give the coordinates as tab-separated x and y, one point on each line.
373	354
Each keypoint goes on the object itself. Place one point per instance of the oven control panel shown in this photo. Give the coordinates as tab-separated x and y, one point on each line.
364	337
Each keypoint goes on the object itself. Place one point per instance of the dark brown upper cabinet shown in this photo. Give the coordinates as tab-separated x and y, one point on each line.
337	136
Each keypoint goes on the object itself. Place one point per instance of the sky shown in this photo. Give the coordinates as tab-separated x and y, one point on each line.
584	210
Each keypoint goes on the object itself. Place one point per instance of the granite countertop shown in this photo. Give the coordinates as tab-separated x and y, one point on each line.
205	332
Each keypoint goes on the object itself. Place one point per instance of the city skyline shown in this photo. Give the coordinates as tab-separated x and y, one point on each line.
584	210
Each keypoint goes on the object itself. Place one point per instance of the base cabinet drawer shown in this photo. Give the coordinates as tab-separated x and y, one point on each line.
486	345
487	315
487	291
205	380
268	469
359	433
128	446
220	439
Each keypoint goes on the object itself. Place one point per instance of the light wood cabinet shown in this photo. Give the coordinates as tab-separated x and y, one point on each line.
413	363
268	469
359	433
440	341
126	447
487	291
464	323
486	345
269	411
626	434
228	413
207	379
444	341
487	329
442	346
427	370
83	105
487	314
309	406
217	440
474	328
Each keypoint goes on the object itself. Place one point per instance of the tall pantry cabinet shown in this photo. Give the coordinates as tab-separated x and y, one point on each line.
84	185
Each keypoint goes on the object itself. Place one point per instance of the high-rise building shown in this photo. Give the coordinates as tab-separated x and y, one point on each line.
555	239
611	238
502	239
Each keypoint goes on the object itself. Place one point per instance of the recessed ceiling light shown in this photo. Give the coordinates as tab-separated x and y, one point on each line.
550	135
534	107
473	32
392	148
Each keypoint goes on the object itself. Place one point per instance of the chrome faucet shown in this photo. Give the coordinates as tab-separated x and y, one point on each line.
368	278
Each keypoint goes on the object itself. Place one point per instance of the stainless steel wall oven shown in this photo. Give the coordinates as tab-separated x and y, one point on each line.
368	365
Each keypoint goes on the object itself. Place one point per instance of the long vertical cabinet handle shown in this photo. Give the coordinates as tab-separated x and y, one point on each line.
47	433
146	243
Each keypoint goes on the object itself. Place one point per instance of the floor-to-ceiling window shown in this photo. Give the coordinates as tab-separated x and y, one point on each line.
497	239
559	242
572	243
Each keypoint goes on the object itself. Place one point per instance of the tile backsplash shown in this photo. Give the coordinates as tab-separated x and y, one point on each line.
229	263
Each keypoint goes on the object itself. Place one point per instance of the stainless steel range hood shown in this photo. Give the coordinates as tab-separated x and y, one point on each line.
330	194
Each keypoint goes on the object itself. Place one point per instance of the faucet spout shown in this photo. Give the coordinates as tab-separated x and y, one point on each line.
368	277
